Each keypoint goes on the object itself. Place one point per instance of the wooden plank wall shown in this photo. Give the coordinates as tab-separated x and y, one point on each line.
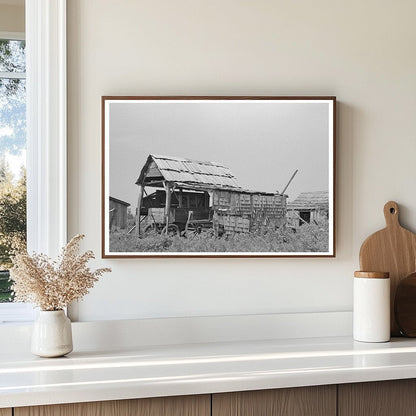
234	224
235	203
119	215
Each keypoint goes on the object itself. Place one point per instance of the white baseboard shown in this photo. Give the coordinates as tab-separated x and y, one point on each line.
127	334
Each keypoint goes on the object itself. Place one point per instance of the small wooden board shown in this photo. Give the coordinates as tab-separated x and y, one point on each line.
405	306
393	250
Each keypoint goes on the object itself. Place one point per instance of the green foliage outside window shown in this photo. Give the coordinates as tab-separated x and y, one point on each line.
12	148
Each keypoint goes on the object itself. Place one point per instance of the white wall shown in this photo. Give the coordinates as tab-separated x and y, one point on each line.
361	51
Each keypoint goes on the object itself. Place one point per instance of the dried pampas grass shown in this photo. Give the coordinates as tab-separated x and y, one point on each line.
53	285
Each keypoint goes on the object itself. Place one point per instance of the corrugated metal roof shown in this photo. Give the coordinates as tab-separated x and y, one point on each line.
310	200
193	172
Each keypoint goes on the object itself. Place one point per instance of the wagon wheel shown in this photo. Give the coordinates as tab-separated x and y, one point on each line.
196	232
151	228
191	234
191	230
173	230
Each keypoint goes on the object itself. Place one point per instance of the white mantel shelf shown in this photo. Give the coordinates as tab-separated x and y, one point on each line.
151	371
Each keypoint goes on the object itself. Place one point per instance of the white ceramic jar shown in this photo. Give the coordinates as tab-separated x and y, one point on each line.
371	309
52	334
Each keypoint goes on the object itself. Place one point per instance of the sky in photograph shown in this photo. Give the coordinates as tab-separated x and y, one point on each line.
262	143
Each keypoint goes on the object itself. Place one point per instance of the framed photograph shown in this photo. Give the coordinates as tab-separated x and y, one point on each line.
218	176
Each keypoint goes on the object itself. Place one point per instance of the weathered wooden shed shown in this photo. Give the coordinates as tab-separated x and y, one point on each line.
308	208
118	214
203	190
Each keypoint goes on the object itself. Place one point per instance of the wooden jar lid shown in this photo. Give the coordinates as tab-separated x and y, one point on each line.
372	275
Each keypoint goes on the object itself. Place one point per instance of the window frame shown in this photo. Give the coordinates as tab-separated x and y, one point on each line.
46	125
14	312
46	138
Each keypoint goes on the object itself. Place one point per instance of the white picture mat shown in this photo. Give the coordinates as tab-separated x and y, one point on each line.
109	120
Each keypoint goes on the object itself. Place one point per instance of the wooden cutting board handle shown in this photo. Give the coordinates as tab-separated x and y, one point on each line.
393	250
391	214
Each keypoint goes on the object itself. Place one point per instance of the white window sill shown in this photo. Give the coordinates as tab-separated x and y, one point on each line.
156	371
16	313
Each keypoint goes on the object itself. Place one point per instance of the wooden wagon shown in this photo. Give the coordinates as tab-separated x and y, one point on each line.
201	196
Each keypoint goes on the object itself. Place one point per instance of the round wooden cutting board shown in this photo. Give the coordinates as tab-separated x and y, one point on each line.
393	250
405	306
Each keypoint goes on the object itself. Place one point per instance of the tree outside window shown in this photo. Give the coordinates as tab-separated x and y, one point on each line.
12	156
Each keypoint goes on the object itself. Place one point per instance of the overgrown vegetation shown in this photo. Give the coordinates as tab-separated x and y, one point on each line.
307	238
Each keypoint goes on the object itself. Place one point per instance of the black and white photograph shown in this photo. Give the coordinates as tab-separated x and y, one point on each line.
218	176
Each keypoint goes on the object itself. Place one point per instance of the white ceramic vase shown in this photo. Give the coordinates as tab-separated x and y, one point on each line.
52	334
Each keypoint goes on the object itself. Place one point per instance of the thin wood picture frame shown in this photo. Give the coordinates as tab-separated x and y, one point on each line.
218	176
